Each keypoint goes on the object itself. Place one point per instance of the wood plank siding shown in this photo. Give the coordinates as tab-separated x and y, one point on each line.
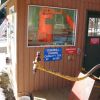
26	80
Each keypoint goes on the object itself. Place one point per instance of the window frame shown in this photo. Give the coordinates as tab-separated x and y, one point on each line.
46	45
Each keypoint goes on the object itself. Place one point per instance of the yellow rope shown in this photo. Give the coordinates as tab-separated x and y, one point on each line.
96	86
40	67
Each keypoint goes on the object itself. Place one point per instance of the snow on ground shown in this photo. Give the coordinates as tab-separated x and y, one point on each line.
24	98
2	61
6	91
2	96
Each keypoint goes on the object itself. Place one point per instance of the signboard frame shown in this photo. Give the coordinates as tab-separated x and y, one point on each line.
66	36
52	54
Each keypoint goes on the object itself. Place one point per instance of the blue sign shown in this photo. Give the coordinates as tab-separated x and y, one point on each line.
52	54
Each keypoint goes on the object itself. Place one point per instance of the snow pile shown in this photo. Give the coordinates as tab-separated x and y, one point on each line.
24	98
5	87
2	96
2	62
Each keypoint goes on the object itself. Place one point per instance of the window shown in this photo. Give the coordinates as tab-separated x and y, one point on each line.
94	27
51	26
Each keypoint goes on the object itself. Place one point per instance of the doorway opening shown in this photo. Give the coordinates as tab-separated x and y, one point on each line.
92	42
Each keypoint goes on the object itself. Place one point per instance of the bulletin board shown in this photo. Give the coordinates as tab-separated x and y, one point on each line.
51	26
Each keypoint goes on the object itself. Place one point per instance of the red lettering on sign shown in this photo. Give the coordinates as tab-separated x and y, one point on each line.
94	41
71	50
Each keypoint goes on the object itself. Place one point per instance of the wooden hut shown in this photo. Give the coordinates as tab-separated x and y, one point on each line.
72	59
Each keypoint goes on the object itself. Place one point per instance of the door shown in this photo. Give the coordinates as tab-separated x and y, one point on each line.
92	42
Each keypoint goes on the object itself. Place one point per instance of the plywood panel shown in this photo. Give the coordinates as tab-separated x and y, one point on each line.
32	83
56	69
26	59
46	75
80	34
26	70
20	49
42	74
60	69
27	82
51	77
